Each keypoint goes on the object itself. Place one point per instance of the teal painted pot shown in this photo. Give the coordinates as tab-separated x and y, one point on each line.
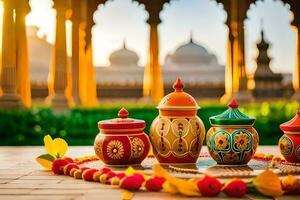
232	140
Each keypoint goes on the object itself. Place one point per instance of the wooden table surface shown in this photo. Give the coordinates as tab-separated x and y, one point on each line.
22	178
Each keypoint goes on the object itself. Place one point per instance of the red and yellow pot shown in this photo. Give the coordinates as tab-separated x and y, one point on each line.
289	143
121	141
177	133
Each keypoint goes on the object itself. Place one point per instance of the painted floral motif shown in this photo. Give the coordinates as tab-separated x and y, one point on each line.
285	145
98	148
115	149
231	157
138	147
241	140
221	141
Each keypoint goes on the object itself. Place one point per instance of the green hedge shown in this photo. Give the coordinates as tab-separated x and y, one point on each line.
79	126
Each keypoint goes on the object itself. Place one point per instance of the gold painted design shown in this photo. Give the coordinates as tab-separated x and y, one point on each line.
115	149
138	147
195	147
180	127
163	147
163	126
98	148
180	147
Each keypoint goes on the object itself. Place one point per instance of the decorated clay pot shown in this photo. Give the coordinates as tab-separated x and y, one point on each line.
232	140
177	133
121	141
289	143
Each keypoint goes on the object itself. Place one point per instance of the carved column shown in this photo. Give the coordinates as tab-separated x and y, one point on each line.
235	73
90	94
76	18
9	98
153	82
59	100
22	9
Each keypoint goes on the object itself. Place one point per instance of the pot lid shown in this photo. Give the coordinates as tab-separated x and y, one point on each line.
232	116
122	123
178	100
293	125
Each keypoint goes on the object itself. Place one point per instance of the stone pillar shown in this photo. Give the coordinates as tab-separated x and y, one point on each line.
90	98
9	98
22	58
295	8
153	82
235	73
296	74
76	17
59	100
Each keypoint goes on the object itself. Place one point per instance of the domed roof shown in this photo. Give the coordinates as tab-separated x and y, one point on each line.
123	57
192	54
191	49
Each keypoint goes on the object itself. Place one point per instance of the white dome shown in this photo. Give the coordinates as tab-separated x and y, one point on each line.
123	57
193	54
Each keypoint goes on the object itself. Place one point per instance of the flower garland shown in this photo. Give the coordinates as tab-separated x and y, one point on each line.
267	183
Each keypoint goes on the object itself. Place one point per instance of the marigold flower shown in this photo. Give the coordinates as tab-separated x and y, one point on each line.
291	184
268	183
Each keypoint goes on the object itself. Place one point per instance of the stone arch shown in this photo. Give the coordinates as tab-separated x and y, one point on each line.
104	18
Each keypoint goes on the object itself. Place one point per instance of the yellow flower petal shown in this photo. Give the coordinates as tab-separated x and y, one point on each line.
170	188
129	171
45	161
268	184
127	195
188	188
60	147
49	145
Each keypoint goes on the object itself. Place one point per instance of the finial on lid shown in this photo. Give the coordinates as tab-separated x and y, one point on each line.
178	85
233	104
123	113
124	43
191	36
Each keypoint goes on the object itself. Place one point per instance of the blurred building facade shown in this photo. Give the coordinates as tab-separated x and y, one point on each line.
194	64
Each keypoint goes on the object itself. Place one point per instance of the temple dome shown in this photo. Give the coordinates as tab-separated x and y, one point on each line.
193	55
123	57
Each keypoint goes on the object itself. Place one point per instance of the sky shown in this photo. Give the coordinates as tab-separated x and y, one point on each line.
120	20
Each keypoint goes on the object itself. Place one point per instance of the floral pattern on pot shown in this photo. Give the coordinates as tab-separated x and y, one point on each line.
231	146
138	147
285	145
221	141
115	149
121	141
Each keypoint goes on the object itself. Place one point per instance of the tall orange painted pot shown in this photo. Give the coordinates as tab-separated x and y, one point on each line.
177	133
121	141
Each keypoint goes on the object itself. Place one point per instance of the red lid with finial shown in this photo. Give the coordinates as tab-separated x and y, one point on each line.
178	103
293	125
122	124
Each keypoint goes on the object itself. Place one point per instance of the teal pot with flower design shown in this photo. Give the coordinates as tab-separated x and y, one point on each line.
232	140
